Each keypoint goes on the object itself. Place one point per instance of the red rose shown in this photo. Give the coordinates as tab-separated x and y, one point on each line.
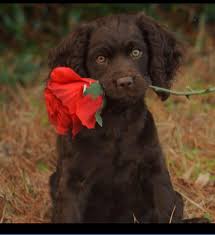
67	106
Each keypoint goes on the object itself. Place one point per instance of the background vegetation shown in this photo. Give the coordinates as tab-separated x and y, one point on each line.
27	141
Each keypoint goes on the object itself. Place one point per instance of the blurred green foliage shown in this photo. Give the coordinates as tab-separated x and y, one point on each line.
22	68
23	22
28	29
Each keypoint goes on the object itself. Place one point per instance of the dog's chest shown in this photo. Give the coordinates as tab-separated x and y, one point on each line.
112	149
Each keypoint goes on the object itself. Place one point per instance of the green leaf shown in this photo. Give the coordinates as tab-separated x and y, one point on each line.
208	216
41	166
95	90
99	118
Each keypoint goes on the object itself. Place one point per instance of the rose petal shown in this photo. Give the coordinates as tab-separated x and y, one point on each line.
86	109
57	113
66	75
69	94
77	125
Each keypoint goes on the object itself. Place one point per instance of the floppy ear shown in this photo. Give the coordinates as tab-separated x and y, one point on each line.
72	50
165	52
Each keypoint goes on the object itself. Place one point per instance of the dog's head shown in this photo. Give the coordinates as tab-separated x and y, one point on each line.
124	52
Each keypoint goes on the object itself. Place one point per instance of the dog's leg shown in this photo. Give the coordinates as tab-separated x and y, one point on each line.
163	204
71	196
53	185
69	189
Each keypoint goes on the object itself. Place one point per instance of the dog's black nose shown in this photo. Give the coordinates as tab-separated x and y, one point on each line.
125	82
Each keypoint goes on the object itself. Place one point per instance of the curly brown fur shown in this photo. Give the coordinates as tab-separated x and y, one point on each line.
113	173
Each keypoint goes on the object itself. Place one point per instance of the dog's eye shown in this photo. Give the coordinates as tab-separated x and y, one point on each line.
100	59
136	53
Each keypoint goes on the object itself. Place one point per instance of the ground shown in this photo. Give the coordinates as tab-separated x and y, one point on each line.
186	129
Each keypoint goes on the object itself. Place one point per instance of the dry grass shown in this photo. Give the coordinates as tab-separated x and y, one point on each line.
186	129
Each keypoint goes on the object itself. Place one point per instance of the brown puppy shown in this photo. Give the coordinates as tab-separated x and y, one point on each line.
113	173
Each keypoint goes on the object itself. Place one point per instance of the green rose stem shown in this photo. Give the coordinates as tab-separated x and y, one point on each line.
95	90
184	93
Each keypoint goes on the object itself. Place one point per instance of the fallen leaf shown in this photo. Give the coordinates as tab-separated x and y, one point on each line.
203	179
